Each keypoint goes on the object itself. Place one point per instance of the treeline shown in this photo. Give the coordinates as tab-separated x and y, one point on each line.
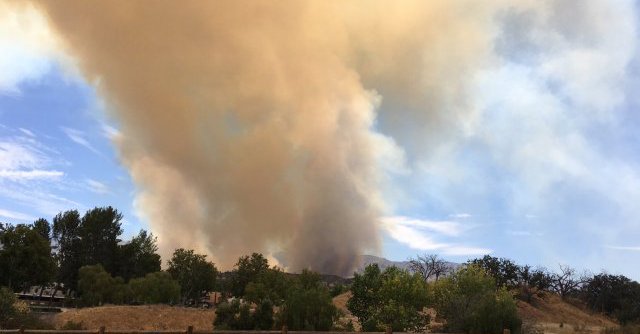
614	295
86	257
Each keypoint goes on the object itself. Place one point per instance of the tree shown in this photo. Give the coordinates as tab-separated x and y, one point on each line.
470	302
504	271
247	270
96	286
43	228
193	272
25	257
565	282
428	266
139	256
66	234
391	298
99	231
613	295
155	288
308	305
532	282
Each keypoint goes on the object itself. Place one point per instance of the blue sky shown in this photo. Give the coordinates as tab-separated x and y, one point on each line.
545	170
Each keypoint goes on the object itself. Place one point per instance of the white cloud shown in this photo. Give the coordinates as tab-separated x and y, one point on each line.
626	248
27	132
15	215
460	215
465	251
78	137
97	186
21	175
109	131
422	235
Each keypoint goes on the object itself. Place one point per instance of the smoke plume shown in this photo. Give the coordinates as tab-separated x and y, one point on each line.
253	126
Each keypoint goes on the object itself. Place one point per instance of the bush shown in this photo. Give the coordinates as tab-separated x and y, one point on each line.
470	303
308	305
155	288
393	298
96	287
15	314
236	316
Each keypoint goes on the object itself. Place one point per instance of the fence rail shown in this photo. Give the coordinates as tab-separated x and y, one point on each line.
189	330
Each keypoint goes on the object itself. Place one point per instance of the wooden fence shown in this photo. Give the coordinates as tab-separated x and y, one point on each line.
189	330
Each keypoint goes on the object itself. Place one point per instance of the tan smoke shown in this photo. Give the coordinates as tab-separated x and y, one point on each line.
251	125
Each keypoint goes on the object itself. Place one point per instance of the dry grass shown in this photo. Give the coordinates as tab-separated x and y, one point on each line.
556	316
145	317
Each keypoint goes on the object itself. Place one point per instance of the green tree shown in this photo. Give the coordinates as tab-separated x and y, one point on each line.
155	288
96	286
393	298
43	228
470	302
100	230
247	269
25	257
193	272
504	271
66	234
139	256
308	305
615	295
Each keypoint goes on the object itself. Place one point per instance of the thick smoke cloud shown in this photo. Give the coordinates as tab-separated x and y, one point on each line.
274	127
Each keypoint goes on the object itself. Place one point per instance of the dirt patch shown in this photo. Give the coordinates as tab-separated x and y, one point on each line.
145	317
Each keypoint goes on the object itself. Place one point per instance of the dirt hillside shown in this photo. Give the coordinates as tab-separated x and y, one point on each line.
547	312
145	317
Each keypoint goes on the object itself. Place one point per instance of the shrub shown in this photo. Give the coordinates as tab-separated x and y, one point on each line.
96	286
15	314
393	297
155	288
471	304
236	316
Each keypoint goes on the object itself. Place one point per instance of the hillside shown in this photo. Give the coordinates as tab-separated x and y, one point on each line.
143	317
548	313
551	311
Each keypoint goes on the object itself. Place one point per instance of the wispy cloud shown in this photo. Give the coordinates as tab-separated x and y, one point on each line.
15	215
423	234
109	131
524	233
21	175
97	186
626	248
27	132
78	137
460	215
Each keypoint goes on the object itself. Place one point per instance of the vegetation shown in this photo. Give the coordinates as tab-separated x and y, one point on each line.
393	298
193	272
15	314
155	288
471	304
94	264
25	258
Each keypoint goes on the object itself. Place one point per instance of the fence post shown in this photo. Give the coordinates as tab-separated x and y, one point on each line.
389	329
21	331
285	329
506	331
190	330
101	331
